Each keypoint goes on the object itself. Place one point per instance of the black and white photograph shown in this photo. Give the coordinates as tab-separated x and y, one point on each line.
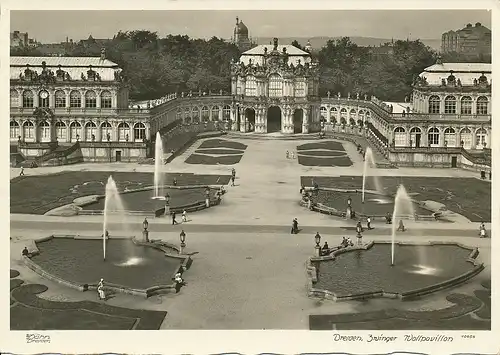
321	170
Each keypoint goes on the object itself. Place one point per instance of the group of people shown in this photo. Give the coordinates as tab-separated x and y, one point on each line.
360	150
174	216
290	155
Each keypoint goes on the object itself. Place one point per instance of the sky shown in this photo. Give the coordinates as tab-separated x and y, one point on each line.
54	26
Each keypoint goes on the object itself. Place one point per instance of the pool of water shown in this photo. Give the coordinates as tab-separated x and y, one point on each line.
143	201
370	270
127	264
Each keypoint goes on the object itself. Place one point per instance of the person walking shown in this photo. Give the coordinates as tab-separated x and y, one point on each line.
401	226
368	222
22	171
293	155
184	216
173	218
287	154
232	180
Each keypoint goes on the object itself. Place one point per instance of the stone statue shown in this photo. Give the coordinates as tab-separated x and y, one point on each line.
366	96
328	93
348	95
338	94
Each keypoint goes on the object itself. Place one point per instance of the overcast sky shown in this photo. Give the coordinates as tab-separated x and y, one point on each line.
54	26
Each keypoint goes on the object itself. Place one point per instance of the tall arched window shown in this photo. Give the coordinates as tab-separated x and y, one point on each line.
433	137
450	137
466	138
28	99
466	105
450	105
105	99
205	114
482	105
29	130
415	136
43	99
44	129
323	113
60	98
434	104
15	131
14	98
251	86
123	131
75	131
300	89
90	99
400	137
75	99
178	115
139	132
226	113
187	115
333	113
90	130
215	113
195	114
481	138
61	131
275	86
106	131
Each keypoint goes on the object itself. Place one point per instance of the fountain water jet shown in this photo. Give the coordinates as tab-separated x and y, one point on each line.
158	176
403	208
113	204
369	163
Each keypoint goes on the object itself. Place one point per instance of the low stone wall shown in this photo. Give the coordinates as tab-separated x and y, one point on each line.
325	294
165	247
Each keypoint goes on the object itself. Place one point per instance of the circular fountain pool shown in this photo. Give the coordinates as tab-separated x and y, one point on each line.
363	271
80	261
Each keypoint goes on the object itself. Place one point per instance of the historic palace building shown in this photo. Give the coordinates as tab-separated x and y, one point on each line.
276	90
470	40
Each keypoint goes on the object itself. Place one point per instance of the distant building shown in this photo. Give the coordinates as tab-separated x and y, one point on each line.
383	50
21	39
240	36
470	41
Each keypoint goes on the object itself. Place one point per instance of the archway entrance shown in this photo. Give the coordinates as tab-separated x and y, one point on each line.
250	118
273	119
297	120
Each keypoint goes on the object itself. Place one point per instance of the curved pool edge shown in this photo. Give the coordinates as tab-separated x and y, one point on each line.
313	292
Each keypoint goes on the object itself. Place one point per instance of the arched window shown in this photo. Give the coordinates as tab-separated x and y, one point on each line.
251	86
14	98
353	114
90	99
90	130
450	137
205	114
415	136
482	105
61	131
450	105
28	99
333	113
75	99
226	113
139	132
187	112
178	115
29	130
275	86
44	129
343	113
195	114
433	137
466	138
323	112
106	131
466	105
123	131
300	89
400	137
60	98
481	138
43	99
361	115
215	113
15	131
105	99
75	131
434	104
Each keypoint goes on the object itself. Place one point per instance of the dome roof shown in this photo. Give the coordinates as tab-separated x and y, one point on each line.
241	28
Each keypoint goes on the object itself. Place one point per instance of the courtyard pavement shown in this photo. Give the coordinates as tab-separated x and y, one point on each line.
250	271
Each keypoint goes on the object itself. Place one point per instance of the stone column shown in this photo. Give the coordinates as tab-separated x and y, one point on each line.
243	120
98	98
328	114
82	99
67	99
305	120
474	105
441	104
234	113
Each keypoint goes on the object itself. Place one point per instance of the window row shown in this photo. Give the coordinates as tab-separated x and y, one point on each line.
75	131
75	99
275	87
451	139
343	112
205	113
450	105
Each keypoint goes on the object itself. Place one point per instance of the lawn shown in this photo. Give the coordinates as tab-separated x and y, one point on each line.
328	161
222	143
34	313
467	196
213	160
42	193
322	153
220	151
328	145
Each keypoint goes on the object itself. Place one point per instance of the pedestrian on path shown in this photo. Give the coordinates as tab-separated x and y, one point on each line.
184	216
287	154
232	180
22	171
173	218
293	155
368	222
401	226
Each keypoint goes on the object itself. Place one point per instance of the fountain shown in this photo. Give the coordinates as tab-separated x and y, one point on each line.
113	204
403	208
369	163
158	175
